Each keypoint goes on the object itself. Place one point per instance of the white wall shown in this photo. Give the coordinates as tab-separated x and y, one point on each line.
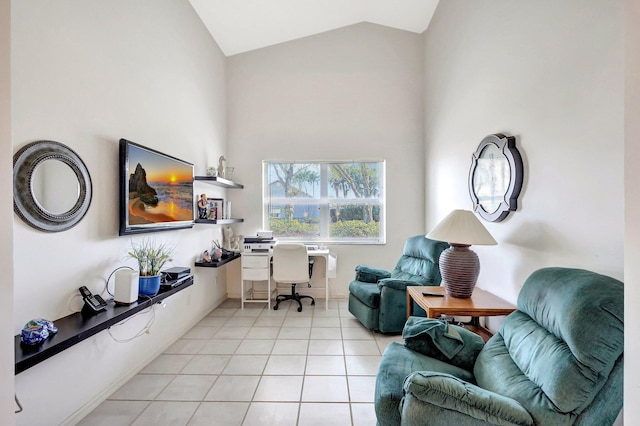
352	93
551	74
87	73
632	207
6	216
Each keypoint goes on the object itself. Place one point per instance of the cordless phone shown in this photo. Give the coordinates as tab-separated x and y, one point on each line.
92	303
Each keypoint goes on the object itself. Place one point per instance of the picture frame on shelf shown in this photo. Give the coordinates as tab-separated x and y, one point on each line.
215	208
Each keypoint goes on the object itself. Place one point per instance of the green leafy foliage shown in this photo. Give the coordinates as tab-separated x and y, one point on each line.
292	228
354	229
151	256
354	212
340	229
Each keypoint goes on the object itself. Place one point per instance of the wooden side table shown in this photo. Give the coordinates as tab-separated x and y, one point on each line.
480	304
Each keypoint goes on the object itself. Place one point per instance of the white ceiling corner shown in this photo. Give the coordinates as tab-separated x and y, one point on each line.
242	25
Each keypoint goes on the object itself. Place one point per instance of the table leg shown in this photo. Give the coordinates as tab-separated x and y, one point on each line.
326	286
241	293
474	325
269	293
409	305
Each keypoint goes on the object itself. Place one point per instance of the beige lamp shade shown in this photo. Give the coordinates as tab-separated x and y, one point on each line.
459	265
462	227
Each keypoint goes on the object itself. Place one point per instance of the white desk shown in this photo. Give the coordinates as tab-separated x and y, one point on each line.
256	267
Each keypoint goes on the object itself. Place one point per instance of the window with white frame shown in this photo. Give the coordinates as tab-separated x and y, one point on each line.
325	201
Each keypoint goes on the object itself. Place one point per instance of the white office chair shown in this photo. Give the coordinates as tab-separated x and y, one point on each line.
291	266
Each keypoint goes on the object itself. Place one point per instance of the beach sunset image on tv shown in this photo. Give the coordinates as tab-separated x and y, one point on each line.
160	188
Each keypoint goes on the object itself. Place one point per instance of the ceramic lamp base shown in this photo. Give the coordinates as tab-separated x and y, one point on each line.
459	267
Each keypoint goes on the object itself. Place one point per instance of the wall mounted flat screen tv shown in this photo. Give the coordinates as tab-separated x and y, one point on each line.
156	190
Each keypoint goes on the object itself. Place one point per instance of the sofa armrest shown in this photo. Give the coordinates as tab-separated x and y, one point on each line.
443	341
393	304
396	284
367	274
450	400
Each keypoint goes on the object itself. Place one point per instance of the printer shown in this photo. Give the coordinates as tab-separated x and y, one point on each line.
259	244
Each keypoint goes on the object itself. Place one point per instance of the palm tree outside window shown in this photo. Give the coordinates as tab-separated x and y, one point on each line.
325	201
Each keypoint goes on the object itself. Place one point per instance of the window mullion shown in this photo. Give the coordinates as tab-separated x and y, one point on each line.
325	217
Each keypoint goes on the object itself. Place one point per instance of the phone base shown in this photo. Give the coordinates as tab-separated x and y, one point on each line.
87	311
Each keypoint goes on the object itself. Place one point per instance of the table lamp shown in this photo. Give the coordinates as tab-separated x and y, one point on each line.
459	265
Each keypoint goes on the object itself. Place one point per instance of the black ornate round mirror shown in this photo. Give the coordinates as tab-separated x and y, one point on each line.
51	186
495	177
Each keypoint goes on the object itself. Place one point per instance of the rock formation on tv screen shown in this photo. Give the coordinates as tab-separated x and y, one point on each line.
138	187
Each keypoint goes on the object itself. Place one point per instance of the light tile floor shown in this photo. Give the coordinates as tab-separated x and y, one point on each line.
257	367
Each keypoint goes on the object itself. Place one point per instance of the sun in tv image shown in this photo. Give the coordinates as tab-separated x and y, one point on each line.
160	188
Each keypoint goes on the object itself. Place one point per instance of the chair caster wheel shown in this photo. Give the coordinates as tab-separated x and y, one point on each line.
275	307
299	308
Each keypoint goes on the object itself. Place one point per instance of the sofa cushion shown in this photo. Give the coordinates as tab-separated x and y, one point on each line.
415	247
419	261
396	364
367	293
571	313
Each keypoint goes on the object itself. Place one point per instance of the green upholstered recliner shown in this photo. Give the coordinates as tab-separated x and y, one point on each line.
556	360
378	298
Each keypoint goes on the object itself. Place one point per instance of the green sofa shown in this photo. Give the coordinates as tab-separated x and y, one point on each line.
378	298
556	360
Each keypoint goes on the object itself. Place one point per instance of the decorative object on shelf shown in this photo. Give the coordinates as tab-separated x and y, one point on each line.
51	186
216	250
236	243
202	206
228	172
227	234
459	265
222	163
151	257
212	171
216	210
227	210
206	257
37	331
495	177
223	212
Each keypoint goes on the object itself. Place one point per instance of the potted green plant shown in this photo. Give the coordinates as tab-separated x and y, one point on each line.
151	257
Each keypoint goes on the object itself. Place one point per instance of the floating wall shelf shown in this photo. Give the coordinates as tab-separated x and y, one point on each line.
218	181
219	221
77	327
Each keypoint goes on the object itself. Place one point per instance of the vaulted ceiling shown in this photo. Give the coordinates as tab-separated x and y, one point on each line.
243	25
